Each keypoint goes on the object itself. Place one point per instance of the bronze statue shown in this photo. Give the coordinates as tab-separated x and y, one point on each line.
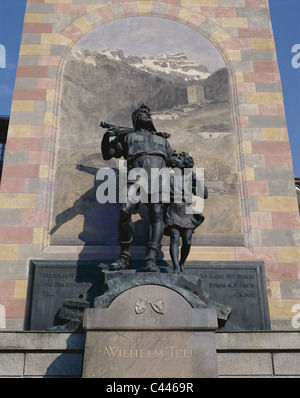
145	148
181	223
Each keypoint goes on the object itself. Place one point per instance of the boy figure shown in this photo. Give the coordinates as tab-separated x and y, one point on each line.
145	148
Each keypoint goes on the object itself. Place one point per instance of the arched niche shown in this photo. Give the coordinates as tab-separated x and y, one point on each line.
104	75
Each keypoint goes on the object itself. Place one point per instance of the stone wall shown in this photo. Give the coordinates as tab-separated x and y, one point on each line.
267	354
242	33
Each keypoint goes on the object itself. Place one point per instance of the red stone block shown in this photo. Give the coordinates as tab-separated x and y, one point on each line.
72	32
172	11
255	188
237	44
70	9
278	160
270	109
282	271
265	66
130	8
261	220
106	14
286	220
44	131
196	20
258	77
38	157
257	3
256	33
11	235
14	308
270	147
12	185
34	94
49	60
22	171
23	144
34	218
244	121
32	71
7	288
260	253
46	82
37	28
210	12
246	87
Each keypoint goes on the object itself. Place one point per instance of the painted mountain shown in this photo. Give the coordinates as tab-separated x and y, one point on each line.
120	82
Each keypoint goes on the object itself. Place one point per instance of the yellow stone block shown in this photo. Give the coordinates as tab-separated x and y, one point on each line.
19	131
45	171
53	95
287	254
199	3
220	35
55	38
211	254
249	172
277	203
92	7
185	14
234	22
275	134
235	55
38	235
22	106
262	44
282	308
35	49
17	201
33	18
51	119
144	7
274	290
247	147
9	252
20	289
264	98
239	77
83	24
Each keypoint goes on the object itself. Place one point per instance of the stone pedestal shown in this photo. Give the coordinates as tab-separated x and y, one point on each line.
150	331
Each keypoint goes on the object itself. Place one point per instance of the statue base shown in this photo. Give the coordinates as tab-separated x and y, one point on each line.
150	326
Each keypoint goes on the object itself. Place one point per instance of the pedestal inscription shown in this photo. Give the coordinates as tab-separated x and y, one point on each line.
150	331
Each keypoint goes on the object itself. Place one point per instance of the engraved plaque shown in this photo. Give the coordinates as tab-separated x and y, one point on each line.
51	282
242	286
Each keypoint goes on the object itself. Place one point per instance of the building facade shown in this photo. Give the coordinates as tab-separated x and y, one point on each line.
241	32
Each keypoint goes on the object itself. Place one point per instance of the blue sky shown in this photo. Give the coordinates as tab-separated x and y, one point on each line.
285	20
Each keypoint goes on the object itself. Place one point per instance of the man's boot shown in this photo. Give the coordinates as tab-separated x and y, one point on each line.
124	260
151	256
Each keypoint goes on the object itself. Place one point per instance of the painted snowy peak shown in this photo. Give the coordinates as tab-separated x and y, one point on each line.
176	63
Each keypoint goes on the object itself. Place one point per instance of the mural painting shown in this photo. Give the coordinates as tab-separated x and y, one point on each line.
182	77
